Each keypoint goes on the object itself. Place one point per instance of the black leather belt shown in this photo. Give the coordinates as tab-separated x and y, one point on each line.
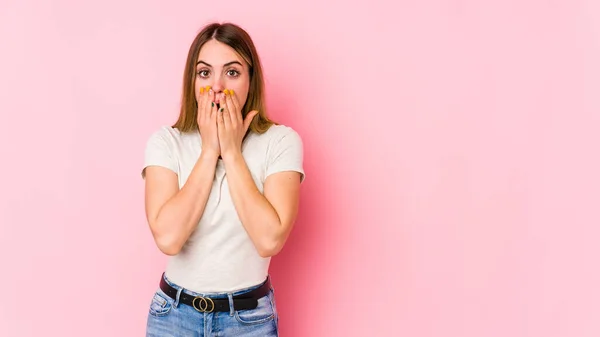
207	304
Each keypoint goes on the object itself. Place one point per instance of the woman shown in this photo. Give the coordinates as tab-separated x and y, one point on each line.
222	189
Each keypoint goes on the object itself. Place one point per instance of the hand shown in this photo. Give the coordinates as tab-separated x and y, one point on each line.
207	121
231	125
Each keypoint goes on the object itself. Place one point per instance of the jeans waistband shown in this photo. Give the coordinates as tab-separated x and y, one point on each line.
214	295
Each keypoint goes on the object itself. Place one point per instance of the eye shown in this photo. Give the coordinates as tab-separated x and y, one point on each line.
203	73
233	73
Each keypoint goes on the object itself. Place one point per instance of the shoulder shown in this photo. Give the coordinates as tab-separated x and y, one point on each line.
277	143
283	141
165	141
278	132
284	150
170	137
161	148
165	133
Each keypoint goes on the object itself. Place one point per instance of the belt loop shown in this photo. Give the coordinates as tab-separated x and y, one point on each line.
231	306
176	304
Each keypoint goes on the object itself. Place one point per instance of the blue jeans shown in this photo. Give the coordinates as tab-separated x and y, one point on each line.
168	317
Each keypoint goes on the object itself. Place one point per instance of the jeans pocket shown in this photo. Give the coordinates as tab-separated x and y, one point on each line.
274	305
263	313
161	304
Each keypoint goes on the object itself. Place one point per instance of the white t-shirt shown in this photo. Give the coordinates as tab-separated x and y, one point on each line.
219	256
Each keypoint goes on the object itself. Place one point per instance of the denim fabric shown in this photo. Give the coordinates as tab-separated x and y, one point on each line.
168	318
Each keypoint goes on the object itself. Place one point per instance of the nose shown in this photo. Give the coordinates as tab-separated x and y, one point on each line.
218	86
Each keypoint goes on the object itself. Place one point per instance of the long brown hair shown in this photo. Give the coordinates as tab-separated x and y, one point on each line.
238	39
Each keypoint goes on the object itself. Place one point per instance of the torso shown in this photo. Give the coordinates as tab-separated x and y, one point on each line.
219	255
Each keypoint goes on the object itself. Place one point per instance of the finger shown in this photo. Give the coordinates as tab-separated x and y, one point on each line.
207	100
236	103
235	114
202	101
220	122
225	115
249	118
213	106
209	103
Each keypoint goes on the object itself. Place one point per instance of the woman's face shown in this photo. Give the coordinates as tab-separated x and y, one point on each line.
220	67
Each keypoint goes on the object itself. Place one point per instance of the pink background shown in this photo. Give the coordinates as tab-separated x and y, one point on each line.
451	154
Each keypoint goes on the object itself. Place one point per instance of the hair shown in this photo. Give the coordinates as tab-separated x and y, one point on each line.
238	39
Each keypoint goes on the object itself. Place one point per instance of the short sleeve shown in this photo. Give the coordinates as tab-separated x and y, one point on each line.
159	152
287	154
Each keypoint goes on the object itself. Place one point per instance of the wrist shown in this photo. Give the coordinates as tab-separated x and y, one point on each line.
210	154
232	156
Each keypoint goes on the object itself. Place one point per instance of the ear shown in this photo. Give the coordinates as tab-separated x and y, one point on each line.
249	118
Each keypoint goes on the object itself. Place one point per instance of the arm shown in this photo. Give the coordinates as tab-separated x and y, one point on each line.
173	214
267	218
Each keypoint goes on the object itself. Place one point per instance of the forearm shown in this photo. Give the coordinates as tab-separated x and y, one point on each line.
256	213
179	216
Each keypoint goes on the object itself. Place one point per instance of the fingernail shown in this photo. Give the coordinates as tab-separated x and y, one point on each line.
231	92
226	91
202	90
212	104
207	88
221	110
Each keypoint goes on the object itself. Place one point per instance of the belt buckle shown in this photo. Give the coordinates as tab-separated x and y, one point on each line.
205	304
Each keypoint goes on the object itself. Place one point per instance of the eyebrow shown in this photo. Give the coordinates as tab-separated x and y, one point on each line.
225	65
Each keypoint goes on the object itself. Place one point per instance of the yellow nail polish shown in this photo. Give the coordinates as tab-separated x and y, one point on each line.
207	88
231	92
202	90
226	92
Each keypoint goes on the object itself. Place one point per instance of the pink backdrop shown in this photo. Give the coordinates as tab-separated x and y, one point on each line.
451	154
